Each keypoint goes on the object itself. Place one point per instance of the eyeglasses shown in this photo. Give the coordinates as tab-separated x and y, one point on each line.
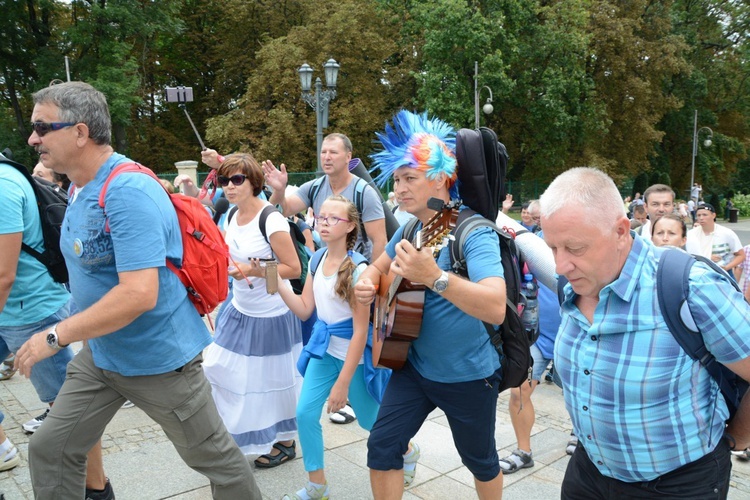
236	179
330	220
43	128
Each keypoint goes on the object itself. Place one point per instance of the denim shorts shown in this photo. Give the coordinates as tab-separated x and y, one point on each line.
48	375
540	363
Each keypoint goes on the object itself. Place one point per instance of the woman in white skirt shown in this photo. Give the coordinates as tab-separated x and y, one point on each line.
252	363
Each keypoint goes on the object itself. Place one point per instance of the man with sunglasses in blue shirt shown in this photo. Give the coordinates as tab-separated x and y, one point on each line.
144	337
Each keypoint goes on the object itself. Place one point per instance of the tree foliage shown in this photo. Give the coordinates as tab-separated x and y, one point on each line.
612	84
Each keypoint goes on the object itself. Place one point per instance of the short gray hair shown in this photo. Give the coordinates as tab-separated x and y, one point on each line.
589	188
79	102
344	139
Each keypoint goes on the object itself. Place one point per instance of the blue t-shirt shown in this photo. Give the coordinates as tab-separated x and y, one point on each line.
144	232
453	346
34	294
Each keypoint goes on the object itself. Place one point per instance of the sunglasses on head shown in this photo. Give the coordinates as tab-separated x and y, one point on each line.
43	128
236	179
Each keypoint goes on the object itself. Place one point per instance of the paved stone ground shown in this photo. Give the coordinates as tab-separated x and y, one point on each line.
143	465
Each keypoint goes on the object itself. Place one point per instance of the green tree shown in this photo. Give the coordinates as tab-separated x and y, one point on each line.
28	45
272	121
716	85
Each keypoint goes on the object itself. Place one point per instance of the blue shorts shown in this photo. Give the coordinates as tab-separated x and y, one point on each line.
540	363
48	375
470	408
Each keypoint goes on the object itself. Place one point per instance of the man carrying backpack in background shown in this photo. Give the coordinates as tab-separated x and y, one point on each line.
650	419
452	365
31	300
335	154
145	337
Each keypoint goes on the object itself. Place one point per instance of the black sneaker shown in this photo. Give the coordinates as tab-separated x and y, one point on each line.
106	494
549	377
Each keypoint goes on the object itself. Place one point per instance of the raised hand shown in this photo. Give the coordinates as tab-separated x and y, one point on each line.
276	178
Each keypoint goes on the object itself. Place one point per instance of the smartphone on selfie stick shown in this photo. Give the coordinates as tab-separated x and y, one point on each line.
182	95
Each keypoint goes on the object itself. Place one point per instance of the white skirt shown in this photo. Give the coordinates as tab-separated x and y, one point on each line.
252	368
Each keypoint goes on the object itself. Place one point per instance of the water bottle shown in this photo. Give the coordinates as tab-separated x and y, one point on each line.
530	317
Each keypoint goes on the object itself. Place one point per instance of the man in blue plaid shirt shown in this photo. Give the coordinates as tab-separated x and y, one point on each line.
650	419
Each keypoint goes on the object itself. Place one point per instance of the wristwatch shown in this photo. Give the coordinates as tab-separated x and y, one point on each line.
441	284
52	339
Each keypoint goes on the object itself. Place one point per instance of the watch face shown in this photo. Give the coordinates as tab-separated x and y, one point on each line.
441	285
52	339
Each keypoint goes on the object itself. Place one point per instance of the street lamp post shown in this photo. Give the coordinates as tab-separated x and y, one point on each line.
707	143
320	99
487	108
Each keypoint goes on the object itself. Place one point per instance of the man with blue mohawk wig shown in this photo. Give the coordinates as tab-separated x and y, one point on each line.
452	365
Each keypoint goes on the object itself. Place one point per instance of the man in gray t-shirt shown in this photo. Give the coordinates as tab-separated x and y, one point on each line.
335	154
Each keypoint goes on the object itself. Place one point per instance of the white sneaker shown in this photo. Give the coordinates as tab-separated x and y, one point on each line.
32	425
127	404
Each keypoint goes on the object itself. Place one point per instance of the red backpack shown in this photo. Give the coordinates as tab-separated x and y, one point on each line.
205	255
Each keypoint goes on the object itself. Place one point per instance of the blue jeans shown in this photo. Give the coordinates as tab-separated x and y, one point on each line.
48	375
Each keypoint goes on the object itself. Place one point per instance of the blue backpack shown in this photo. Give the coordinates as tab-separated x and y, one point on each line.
672	291
357	257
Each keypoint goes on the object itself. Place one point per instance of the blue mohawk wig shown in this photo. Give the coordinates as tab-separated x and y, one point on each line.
416	141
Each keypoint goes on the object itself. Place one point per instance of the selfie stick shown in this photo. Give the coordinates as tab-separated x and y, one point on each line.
184	108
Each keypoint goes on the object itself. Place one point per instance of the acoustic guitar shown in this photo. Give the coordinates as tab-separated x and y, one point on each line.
399	304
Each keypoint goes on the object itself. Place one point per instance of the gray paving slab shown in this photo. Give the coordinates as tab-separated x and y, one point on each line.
143	464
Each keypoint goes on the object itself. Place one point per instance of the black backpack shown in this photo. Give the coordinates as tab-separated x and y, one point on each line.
52	202
297	238
482	162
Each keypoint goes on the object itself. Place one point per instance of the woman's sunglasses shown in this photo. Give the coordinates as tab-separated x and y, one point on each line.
236	179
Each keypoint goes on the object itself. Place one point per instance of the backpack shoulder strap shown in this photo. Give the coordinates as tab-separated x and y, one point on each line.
267	210
410	229
465	225
315	260
119	169
231	213
315	188
359	194
561	282
359	202
358	259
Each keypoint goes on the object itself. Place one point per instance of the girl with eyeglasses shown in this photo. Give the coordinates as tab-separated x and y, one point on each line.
337	361
252	363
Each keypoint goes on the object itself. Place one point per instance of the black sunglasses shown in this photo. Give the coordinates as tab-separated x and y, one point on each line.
236	179
43	128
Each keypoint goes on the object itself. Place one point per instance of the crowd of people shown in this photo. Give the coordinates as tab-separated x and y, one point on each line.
647	418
